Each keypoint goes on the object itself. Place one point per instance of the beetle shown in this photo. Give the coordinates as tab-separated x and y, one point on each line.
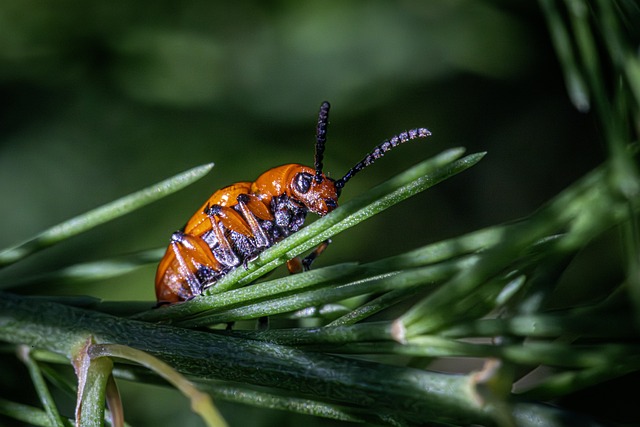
241	220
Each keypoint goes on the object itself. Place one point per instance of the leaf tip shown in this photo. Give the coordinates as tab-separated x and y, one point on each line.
399	332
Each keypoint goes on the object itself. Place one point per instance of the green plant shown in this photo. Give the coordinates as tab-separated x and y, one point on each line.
495	285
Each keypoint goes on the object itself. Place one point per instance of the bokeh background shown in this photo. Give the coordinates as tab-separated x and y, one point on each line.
100	99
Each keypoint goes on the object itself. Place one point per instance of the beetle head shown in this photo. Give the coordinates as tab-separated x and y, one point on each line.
317	192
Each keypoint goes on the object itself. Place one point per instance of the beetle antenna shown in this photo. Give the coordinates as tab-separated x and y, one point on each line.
321	137
380	150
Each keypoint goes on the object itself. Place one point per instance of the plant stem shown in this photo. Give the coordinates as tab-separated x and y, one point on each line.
420	396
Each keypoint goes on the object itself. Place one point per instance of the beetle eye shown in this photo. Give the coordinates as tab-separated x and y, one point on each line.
302	182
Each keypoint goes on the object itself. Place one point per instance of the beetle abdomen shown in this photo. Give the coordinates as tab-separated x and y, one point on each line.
217	248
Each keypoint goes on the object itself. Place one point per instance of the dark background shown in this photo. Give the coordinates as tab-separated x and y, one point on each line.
100	99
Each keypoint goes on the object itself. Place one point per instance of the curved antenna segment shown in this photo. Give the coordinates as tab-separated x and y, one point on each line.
380	150
321	138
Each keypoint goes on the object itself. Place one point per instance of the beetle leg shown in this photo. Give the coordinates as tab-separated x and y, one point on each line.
256	206
258	233
178	238
298	265
308	260
229	218
294	265
229	258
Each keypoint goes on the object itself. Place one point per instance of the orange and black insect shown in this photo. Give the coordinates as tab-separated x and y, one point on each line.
240	221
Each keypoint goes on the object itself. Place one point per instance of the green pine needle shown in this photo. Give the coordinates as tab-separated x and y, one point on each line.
102	214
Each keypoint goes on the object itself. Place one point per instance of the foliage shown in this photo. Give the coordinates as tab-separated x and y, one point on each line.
356	341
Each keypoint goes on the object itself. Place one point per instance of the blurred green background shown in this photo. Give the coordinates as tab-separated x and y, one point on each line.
99	99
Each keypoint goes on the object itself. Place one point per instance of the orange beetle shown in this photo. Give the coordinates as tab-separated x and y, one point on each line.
240	221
